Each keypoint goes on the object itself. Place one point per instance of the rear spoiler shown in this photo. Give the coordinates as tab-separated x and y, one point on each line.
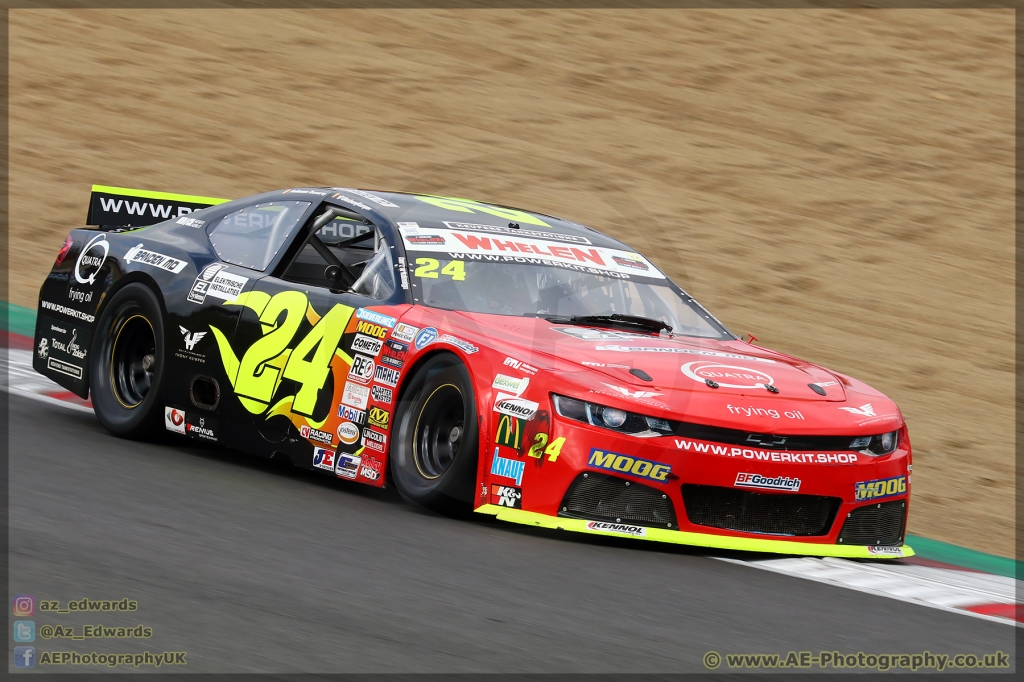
123	207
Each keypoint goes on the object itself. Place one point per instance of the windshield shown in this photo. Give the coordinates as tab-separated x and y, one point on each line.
542	287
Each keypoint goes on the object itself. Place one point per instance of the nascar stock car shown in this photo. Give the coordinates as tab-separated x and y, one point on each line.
478	357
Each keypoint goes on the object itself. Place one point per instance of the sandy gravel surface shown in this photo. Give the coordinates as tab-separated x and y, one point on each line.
838	183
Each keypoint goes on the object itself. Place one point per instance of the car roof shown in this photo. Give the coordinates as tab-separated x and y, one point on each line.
434	211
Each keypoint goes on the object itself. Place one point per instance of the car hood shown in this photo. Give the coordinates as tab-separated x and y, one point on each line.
607	362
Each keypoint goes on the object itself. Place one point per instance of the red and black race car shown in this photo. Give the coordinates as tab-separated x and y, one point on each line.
476	356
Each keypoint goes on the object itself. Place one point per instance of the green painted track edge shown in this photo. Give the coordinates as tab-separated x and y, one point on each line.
17	320
936	550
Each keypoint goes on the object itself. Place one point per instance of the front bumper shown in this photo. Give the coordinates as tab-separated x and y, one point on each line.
668	466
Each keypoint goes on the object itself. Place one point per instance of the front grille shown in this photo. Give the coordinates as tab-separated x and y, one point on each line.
875	524
772	513
600	497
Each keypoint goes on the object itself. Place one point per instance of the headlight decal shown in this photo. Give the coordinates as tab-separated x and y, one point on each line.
876	446
613	418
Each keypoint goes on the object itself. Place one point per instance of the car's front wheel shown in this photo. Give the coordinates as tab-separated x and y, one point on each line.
434	456
127	365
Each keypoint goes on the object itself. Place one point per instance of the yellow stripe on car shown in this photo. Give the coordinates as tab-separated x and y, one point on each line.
687	538
167	196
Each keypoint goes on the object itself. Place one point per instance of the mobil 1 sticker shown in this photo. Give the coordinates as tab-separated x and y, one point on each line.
366	344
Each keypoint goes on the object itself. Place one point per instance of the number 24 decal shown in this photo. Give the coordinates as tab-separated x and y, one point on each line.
552	450
427	267
256	376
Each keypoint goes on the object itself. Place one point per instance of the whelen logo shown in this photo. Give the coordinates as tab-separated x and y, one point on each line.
758	481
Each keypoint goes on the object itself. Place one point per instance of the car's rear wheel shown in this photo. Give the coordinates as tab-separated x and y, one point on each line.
127	365
434	456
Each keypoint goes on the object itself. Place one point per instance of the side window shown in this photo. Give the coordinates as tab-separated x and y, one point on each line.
252	236
378	277
368	261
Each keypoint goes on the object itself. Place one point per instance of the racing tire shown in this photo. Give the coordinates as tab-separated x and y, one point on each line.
434	454
126	370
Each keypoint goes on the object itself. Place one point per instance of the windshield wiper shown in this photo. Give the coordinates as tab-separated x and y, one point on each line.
615	320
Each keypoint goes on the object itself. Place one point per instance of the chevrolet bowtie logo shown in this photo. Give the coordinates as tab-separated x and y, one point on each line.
766	441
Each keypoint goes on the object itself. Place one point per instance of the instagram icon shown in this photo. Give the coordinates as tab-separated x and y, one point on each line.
24	605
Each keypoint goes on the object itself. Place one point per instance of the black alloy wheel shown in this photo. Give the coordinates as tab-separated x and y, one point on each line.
127	365
132	360
438	431
434	453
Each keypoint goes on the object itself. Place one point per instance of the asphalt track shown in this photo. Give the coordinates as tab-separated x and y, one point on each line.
252	565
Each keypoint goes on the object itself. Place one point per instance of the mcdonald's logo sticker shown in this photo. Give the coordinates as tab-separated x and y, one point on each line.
510	432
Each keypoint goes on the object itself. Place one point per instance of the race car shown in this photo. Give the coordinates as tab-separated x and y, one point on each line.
477	357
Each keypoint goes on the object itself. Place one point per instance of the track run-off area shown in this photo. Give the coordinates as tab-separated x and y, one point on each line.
250	565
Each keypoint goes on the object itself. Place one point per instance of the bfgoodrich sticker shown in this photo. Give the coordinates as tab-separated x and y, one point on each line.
744	480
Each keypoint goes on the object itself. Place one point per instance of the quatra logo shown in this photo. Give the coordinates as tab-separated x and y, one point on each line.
89	260
727	376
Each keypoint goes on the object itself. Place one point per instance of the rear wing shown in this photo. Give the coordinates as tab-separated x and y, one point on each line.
123	207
